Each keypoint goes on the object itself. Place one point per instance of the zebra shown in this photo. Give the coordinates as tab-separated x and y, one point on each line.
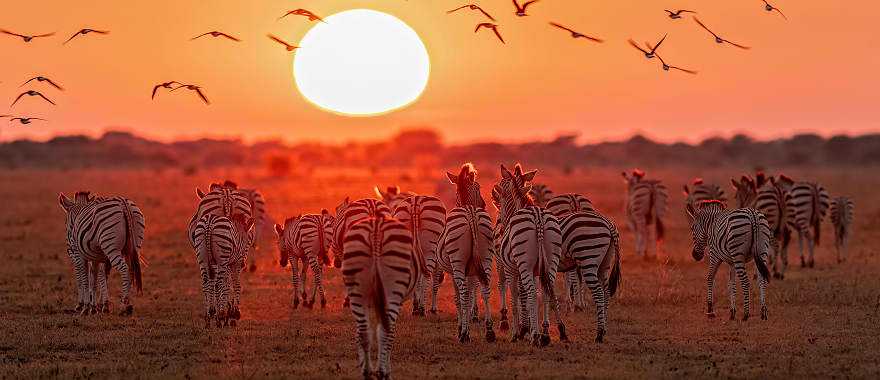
467	240
734	237
702	191
392	196
530	246
379	273
842	210
347	214
768	197
306	239
541	194
562	205
221	246
107	231
806	204
258	212
646	204
425	216
221	199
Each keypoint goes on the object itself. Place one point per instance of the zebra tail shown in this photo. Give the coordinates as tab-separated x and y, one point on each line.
380	303
543	268
477	261
757	237
614	279
660	229
129	251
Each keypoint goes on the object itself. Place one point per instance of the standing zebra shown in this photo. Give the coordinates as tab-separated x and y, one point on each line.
221	244
425	216
531	253
103	230
258	212
541	194
392	196
379	273
734	237
562	205
221	200
702	191
645	205
467	240
306	239
806	205
768	197
347	214
842	210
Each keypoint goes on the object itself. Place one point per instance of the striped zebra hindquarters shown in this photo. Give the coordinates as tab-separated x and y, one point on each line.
842	212
349	213
213	238
379	274
425	216
806	205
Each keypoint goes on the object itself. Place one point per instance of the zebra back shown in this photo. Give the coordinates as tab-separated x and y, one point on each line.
565	204
701	191
222	200
842	212
425	216
377	261
348	213
806	206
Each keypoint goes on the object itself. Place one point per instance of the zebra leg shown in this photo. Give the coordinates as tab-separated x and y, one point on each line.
762	289
222	286
560	325
530	299
464	305
316	279
502	291
592	282
294	280
93	284
487	309
744	283
515	305
811	244
103	293
710	285
641	238
417	297
120	265
801	248
731	291
81	274
436	278
304	281
385	341
207	289
365	338
235	273
319	283
472	288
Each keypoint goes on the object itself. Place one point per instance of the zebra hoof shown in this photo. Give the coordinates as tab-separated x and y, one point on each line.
295	303
105	308
464	337
710	315
545	340
309	305
504	326
745	316
127	311
323	303
382	375
490	336
253	267
782	276
236	314
732	314
78	308
434	311
600	335
764	313
562	336
523	332
812	263
232	323
803	263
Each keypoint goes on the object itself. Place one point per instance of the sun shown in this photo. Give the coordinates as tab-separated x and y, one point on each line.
361	62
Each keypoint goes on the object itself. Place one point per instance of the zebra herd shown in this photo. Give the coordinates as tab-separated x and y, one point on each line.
399	246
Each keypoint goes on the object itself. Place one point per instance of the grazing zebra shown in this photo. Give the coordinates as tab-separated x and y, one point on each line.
734	237
258	212
702	191
530	253
541	194
103	230
347	214
467	240
306	239
379	273
392	196
221	246
768	197
842	210
425	216
221	200
645	205
806	204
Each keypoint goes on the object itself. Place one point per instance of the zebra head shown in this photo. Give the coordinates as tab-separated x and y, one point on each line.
339	231
467	189
541	194
634	178
513	190
243	227
746	191
285	242
74	206
702	215
392	196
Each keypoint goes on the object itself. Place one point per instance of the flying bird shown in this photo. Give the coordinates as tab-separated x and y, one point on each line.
489	25
43	79
303	12
576	34
280	41
25	120
652	50
719	39
521	9
31	93
84	32
24	37
195	88
163	85
216	34
472	7
666	66
771	8
677	13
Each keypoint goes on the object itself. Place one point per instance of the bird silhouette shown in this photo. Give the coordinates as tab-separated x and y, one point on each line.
195	88
31	93
666	66
521	9
216	34
472	7
677	13
576	34
771	8
84	32
303	12
43	79
24	120
651	50
719	39
280	41
489	25
24	37
163	85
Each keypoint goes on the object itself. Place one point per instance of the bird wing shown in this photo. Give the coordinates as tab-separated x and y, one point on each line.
155	88
594	39
54	84
527	3
684	70
635	45
704	27
178	87
200	36
487	15
28	81
780	13
201	95
561	27
45	35
16	99
285	15
685	11
230	37
456	9
736	44
276	39
515	4
658	44
495	29
72	37
670	12
15	118
45	98
481	25
4	31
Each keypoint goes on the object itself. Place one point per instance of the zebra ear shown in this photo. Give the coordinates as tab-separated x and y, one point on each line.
325	212
528	177
378	192
452	177
279	230
66	203
687	192
200	193
734	183
505	174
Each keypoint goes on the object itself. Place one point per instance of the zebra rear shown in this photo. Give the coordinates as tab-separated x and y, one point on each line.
646	204
806	206
425	216
842	214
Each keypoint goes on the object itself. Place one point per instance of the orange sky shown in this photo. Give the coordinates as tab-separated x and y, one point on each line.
816	72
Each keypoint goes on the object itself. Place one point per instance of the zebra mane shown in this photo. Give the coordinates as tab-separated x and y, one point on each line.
705	204
82	197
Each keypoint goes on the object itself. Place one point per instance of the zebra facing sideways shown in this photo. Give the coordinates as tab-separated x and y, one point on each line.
425	216
806	204
734	237
768	197
646	204
306	239
379	273
221	246
842	213
347	214
107	231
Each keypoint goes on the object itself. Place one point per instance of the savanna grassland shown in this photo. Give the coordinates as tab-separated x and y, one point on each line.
824	322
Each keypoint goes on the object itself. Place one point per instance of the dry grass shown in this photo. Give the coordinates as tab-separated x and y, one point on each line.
823	321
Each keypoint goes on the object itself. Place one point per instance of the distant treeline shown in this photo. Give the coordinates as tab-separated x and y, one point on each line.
424	149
